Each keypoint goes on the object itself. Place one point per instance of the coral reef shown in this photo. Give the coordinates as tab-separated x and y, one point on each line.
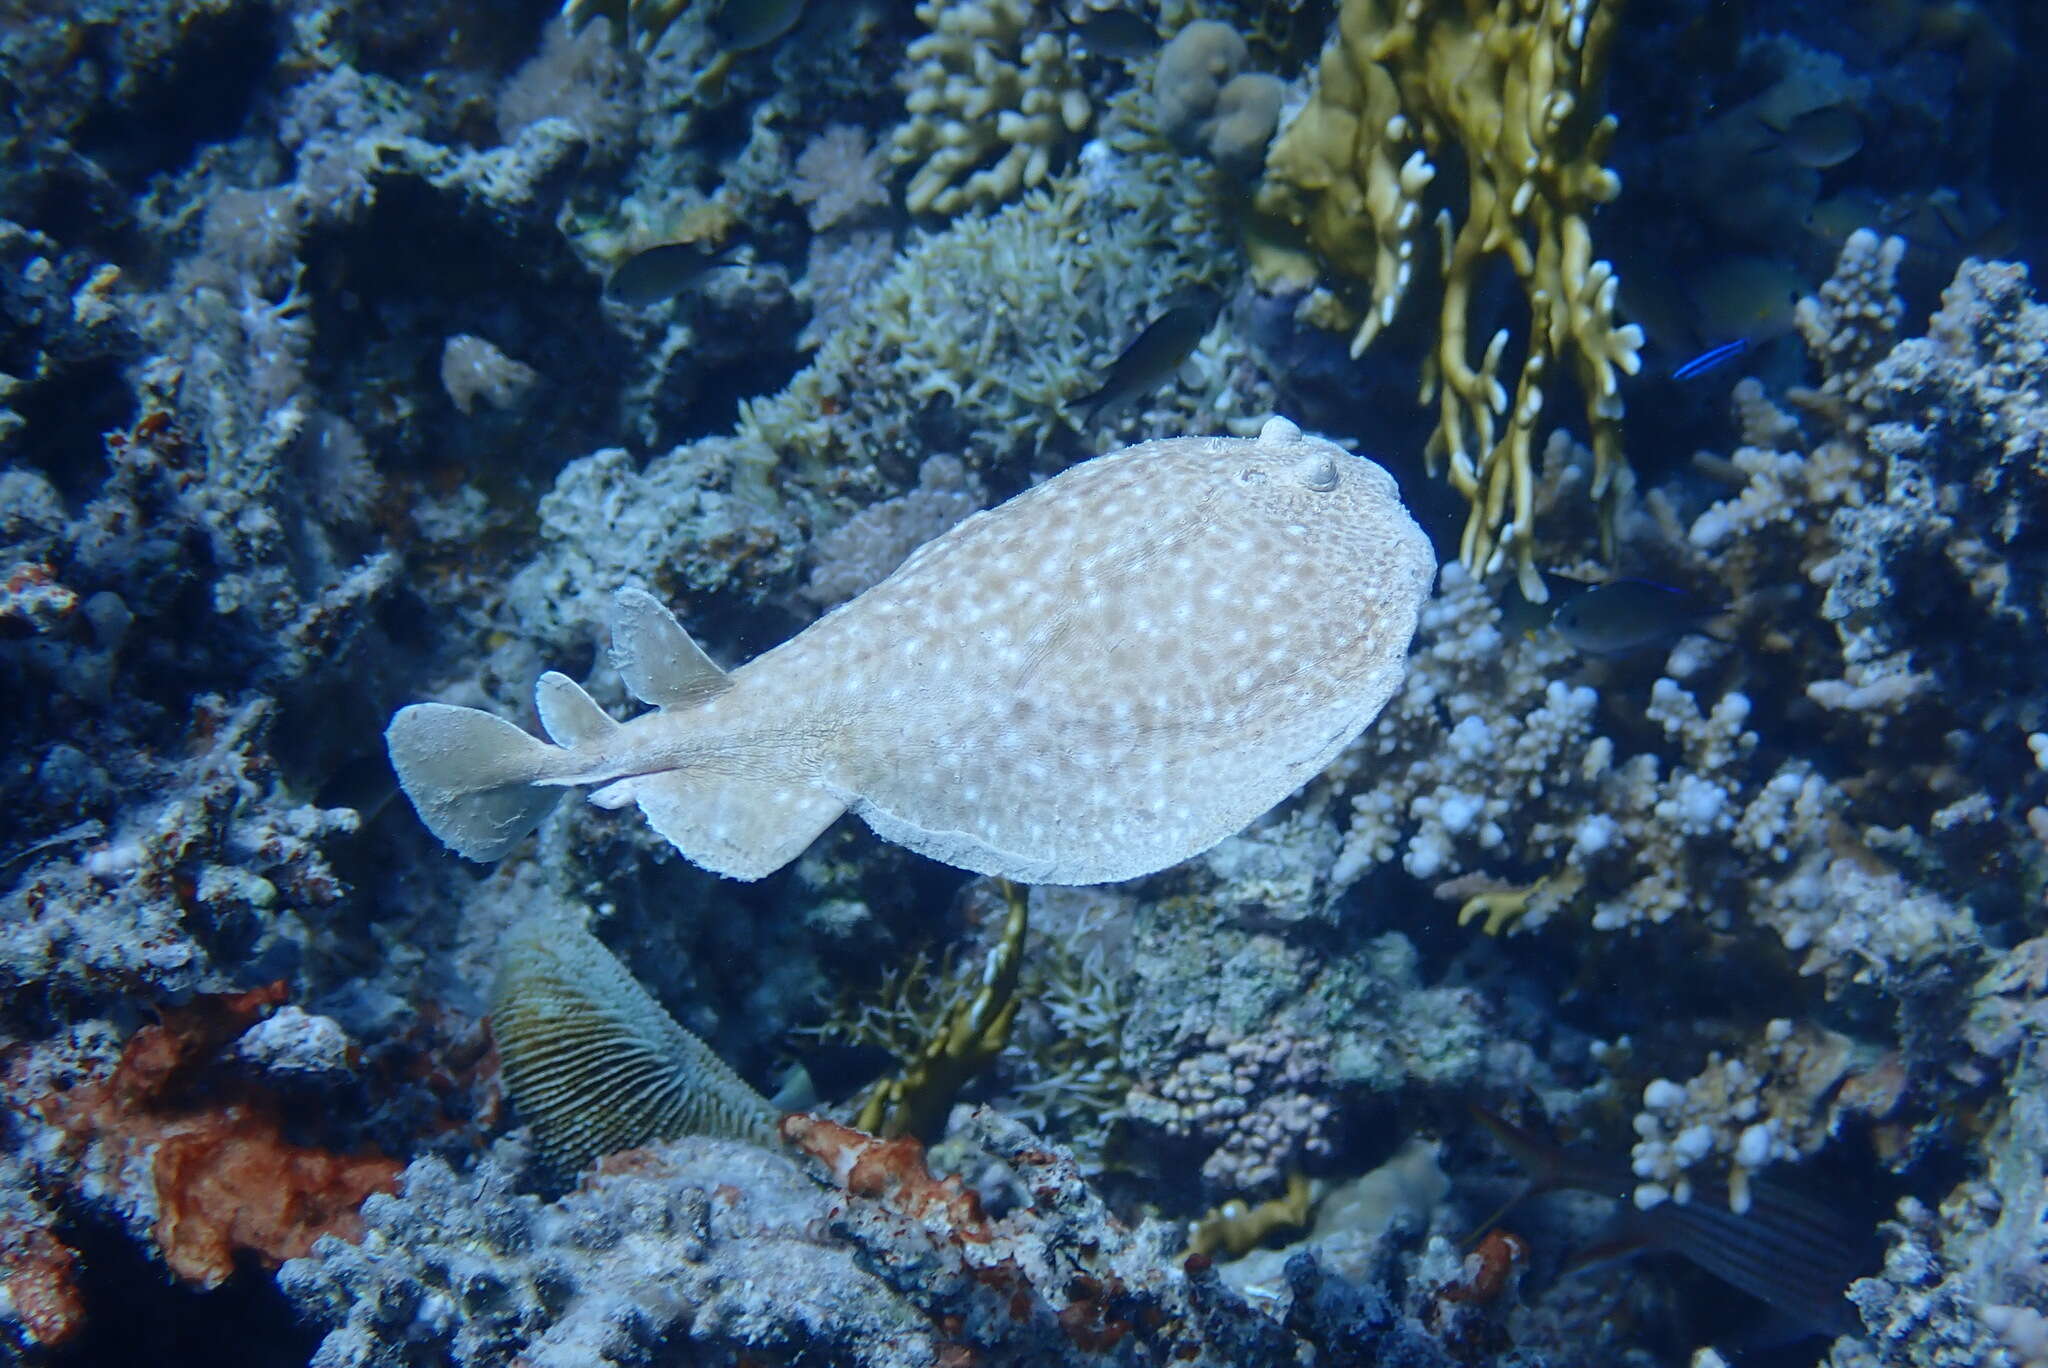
732	1246
1783	1100
207	871
1662	792
44	1307
707	1240
313	403
1962	1281
676	527
979	332
1856	511
1058	1275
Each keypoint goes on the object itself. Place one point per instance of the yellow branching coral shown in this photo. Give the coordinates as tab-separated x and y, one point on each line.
1499	910
1236	1227
1506	88
965	1040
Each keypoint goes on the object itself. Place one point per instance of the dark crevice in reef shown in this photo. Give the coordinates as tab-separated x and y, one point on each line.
717	403
383	316
136	1314
67	415
74	202
407	41
200	93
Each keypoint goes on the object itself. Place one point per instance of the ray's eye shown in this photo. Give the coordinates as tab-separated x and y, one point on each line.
1317	472
1251	475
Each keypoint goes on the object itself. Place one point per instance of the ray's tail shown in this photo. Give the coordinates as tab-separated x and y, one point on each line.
478	781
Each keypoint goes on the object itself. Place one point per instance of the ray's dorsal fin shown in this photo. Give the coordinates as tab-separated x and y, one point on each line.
655	656
571	716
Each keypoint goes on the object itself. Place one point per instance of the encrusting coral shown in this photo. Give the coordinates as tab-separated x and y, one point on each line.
204	1164
39	1283
1510	89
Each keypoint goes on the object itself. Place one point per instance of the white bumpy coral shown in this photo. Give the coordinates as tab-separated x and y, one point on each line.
991	105
1783	1100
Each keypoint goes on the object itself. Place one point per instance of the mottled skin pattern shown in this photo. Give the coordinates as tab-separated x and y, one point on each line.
1102	677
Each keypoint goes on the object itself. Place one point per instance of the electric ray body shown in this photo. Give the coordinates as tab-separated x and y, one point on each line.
1101	677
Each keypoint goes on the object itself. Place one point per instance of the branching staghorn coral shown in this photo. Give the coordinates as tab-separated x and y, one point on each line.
1784	1099
1506	86
1910	506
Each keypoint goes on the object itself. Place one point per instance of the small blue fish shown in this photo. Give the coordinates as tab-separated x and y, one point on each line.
1118	34
1710	358
1628	615
744	25
1817	139
1155	354
647	278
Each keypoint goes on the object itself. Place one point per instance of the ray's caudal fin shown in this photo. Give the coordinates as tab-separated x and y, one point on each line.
478	781
475	779
742	824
